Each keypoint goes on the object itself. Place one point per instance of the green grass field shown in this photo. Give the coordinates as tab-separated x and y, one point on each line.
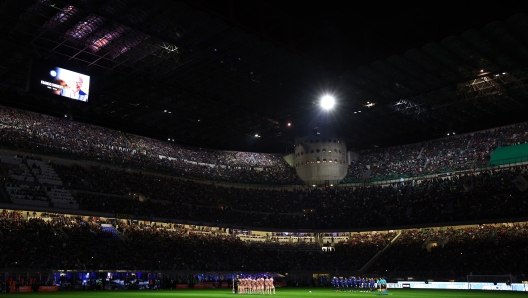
283	292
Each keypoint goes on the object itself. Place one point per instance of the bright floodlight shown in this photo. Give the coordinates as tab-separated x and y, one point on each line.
327	102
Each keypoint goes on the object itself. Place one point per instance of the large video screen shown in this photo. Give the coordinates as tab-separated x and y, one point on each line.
63	82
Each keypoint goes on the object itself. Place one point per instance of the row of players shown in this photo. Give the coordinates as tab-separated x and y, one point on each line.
248	285
359	284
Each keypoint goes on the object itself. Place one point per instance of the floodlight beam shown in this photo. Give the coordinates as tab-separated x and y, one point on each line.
327	102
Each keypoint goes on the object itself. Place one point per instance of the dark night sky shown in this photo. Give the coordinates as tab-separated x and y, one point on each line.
343	35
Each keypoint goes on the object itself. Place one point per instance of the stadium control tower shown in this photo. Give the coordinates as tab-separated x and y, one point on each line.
320	160
320	155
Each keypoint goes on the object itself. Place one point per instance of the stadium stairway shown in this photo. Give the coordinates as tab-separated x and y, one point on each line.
127	137
31	170
122	236
366	174
420	154
116	235
426	163
375	258
433	241
59	232
3	195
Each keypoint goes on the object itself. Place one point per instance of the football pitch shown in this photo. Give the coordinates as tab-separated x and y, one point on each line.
282	292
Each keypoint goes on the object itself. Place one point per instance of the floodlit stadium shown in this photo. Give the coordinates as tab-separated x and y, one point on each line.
211	148
290	292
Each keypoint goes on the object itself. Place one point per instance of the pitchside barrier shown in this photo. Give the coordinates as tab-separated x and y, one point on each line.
489	286
27	289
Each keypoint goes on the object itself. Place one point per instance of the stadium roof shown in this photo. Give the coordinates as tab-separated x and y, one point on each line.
216	73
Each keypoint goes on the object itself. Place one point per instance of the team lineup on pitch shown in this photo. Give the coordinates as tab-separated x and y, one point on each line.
253	285
265	285
283	292
365	285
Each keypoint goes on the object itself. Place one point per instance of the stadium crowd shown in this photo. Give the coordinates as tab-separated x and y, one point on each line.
482	249
51	135
83	243
61	136
453	153
74	242
474	196
68	242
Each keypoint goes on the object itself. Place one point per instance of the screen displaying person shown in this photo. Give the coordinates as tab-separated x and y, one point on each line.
74	90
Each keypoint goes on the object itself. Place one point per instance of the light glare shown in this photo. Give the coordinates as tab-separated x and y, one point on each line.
327	102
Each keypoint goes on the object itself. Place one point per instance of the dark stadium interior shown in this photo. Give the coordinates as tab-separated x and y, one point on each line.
227	70
198	149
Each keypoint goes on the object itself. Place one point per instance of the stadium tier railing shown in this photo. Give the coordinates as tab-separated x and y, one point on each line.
519	160
67	158
74	159
499	164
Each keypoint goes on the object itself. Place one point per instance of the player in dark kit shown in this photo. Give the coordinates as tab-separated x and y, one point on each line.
350	284
363	284
236	284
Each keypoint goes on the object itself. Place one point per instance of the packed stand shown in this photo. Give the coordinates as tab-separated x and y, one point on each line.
63	242
62	136
454	153
479	250
485	195
72	242
51	135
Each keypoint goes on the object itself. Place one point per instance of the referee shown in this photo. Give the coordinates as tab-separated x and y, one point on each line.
236	284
